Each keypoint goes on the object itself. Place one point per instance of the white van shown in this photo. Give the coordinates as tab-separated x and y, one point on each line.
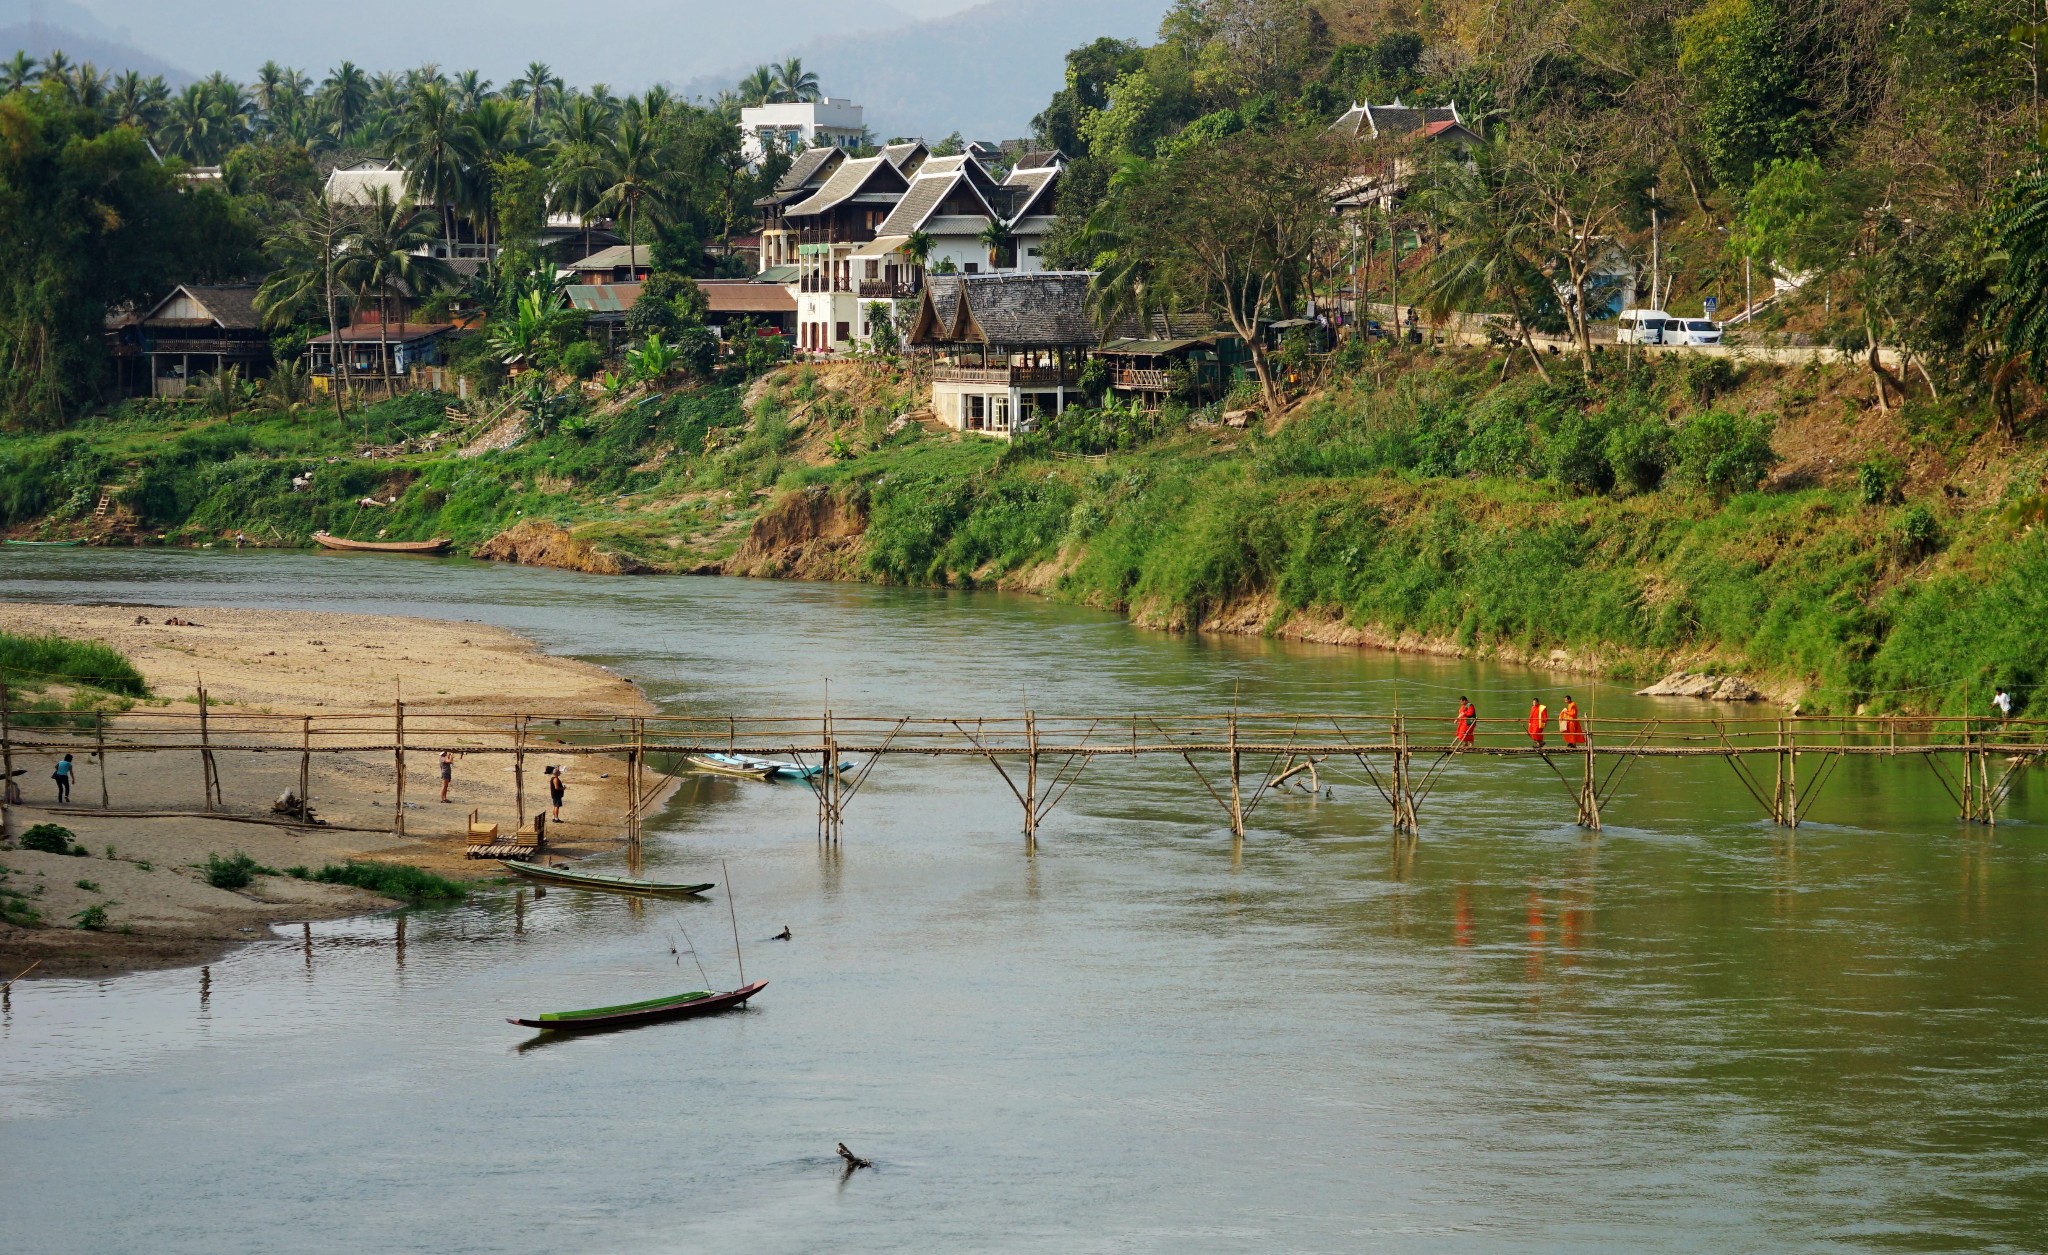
1648	326
1697	331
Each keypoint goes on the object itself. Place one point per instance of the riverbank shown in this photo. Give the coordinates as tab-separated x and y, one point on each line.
1757	519
143	870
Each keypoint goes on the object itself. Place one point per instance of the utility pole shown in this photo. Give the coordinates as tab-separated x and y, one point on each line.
1656	255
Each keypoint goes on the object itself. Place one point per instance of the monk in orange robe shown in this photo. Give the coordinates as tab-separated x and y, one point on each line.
1573	727
1539	718
1468	721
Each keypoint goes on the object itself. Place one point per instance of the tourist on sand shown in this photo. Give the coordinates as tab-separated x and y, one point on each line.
1468	719
556	788
2003	700
62	775
1569	723
1539	718
447	772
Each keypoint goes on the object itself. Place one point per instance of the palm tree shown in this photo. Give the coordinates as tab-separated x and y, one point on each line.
387	257
192	125
471	90
538	88
727	105
1491	231
758	86
233	109
495	130
794	83
55	66
270	87
917	246
633	170
583	141
426	149
346	93
131	102
995	237
306	253
17	73
387	96
87	87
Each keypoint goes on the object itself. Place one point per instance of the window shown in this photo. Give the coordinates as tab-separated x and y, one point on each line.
974	267
1701	326
874	270
843	332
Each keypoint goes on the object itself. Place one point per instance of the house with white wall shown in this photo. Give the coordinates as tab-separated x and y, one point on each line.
792	126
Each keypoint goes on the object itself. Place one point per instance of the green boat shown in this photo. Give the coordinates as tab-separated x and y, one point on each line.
596	880
47	544
627	1014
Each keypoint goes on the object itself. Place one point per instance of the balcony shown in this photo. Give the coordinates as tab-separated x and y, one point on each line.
1008	376
1134	380
887	290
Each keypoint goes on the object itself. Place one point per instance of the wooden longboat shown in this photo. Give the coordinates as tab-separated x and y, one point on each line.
626	1015
47	544
733	765
598	880
439	544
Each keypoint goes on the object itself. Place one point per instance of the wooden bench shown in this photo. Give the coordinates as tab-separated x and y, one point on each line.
524	844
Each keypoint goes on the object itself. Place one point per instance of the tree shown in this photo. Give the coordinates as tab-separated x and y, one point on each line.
386	260
633	170
1493	232
1583	186
93	222
669	305
997	239
917	247
794	83
305	255
427	150
346	94
18	73
539	87
1234	226
757	86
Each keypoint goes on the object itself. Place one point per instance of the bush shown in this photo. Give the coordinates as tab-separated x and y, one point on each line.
697	350
233	873
1708	377
1723	453
1638	453
1881	479
53	839
1919	531
92	918
389	879
581	359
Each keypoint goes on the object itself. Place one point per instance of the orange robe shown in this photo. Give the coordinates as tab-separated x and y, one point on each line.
1467	718
1539	717
1568	722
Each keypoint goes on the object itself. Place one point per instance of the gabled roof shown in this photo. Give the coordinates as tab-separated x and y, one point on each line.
360	184
1371	121
907	157
602	299
810	168
1048	309
635	255
737	296
1040	160
230	306
372	333
927	192
1031	190
853	177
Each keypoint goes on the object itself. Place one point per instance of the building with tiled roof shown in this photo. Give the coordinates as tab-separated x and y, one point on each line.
1389	134
1011	346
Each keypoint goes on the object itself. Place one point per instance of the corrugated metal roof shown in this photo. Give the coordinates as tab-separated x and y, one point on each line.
737	296
604	298
396	334
616	256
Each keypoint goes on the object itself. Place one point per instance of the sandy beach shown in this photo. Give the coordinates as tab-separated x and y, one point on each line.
143	868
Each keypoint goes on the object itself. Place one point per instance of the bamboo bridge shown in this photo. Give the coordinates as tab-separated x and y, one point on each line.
1239	759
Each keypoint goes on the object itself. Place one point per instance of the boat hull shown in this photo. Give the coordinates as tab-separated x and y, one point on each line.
608	884
640	1013
437	545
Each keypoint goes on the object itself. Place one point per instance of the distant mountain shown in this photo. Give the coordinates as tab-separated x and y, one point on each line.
38	27
984	72
626	44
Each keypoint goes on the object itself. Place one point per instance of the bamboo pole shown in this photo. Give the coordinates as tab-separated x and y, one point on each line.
306	769
99	736
1236	793
519	771
1031	782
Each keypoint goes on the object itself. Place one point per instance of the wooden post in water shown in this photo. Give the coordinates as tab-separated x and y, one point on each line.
1589	795
99	737
398	765
306	768
519	770
1791	775
1236	791
1031	783
828	785
633	783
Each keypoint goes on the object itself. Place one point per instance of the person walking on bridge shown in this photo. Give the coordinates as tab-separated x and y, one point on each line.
1468	721
1539	718
1573	727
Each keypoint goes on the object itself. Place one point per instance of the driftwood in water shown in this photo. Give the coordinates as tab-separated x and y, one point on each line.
852	1160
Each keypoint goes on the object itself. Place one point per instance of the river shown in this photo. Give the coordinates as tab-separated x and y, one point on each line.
1690	1032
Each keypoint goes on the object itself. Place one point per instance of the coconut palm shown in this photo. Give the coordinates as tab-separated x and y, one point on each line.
387	258
495	130
1492	231
135	101
794	83
192	125
471	90
269	87
758	86
917	246
346	94
996	238
87	87
305	251
18	72
427	143
55	66
634	165
538	87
